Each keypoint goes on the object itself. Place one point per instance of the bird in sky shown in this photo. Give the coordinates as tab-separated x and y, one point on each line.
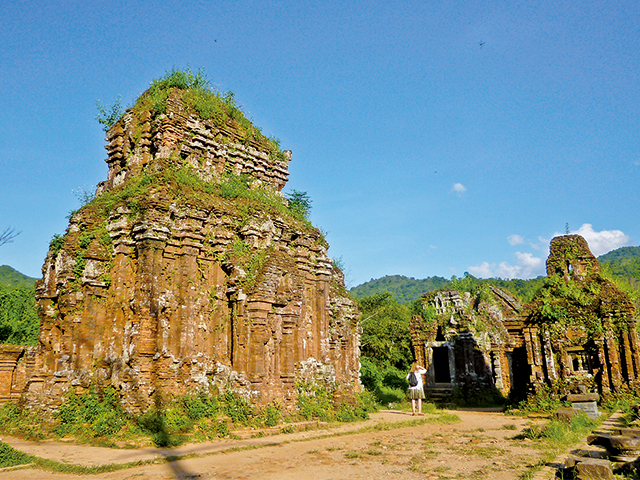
481	44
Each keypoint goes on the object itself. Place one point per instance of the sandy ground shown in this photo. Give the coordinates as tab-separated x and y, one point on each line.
480	445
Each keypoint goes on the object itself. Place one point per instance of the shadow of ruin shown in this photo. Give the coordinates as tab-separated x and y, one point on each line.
577	335
187	270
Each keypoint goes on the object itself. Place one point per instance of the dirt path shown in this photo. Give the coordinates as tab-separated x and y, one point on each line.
479	446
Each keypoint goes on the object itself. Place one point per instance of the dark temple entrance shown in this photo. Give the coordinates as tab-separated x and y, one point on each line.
441	365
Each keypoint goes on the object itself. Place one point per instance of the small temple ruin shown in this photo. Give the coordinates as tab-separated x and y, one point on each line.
470	337
170	280
577	334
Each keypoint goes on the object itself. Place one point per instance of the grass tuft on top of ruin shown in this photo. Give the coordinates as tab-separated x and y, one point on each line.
207	103
202	99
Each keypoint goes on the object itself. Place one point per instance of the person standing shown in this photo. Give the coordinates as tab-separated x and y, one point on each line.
416	393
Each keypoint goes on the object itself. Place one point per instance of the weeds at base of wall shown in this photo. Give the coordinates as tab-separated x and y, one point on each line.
96	417
316	401
545	400
622	401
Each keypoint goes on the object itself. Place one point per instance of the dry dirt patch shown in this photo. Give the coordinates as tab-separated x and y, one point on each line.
479	446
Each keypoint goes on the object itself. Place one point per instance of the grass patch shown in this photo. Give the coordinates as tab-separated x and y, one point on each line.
554	437
353	455
10	457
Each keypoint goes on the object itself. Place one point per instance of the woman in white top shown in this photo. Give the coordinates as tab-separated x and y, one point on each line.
416	393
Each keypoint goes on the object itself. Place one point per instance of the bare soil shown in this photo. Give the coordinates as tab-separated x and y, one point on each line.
480	445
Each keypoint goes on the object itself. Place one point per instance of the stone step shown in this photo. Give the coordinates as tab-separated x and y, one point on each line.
439	394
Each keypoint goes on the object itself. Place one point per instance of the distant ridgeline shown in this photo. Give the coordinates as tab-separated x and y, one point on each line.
404	289
11	278
623	262
622	265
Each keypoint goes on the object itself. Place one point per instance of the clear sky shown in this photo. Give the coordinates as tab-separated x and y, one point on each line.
434	137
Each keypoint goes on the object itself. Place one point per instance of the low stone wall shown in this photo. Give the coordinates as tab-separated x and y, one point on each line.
16	365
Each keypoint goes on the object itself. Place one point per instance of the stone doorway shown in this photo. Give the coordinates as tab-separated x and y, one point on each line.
441	371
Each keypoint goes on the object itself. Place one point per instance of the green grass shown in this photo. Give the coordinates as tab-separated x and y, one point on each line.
20	458
10	457
96	417
207	103
555	437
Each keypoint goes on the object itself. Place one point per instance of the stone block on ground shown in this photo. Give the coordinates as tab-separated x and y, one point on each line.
582	397
565	414
593	469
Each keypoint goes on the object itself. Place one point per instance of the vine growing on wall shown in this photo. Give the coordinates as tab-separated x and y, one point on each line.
561	304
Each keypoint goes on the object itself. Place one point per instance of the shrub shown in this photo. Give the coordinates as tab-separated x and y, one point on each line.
270	415
314	402
108	115
56	243
544	400
347	412
388	385
201	406
299	204
98	414
154	423
237	408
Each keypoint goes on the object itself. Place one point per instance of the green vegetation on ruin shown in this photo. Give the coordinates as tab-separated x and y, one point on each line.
231	196
202	100
97	417
562	303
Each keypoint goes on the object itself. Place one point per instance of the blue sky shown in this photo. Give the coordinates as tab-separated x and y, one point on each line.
424	152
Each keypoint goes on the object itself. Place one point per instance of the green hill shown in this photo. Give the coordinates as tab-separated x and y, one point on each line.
623	264
12	278
619	254
404	289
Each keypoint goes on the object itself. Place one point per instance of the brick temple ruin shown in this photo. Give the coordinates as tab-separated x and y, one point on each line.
577	334
163	286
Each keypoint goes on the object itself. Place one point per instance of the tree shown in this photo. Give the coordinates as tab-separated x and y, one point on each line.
299	204
19	321
108	115
386	339
8	235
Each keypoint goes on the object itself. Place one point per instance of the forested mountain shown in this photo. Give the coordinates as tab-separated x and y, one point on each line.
11	278
620	254
407	289
622	264
404	289
19	321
